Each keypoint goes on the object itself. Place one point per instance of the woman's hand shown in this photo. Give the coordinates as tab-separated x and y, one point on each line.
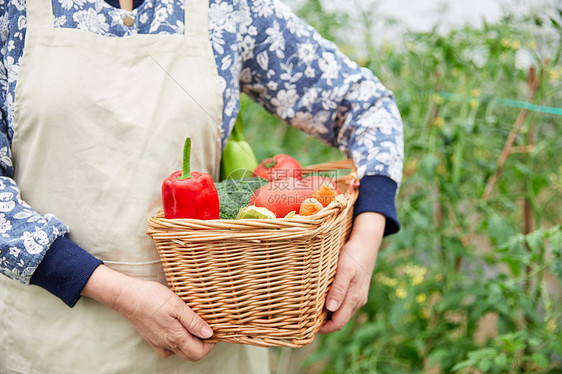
350	288
157	313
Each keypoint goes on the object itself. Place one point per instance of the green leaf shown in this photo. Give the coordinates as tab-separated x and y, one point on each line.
538	183
540	360
437	356
535	240
501	360
464	364
515	265
485	365
428	166
557	347
450	301
555	239
500	229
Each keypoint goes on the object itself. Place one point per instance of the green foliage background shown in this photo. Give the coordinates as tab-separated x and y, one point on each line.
472	283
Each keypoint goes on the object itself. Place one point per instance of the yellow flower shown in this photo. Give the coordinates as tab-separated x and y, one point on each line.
383	279
505	43
437	99
421	298
386	46
401	293
415	270
516	45
473	103
438	122
476	92
417	279
551	325
554	75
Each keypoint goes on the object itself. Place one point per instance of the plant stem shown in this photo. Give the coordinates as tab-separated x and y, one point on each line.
533	83
527	216
185	167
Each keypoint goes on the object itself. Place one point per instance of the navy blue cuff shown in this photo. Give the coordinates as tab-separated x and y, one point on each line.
65	270
377	194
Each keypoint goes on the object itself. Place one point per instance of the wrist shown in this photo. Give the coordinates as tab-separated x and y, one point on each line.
368	229
366	238
106	285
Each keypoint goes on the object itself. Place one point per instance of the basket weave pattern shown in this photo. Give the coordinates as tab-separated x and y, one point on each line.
262	282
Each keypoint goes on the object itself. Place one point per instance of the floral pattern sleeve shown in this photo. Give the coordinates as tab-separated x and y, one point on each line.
306	81
25	235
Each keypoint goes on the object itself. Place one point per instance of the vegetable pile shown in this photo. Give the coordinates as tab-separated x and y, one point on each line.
276	188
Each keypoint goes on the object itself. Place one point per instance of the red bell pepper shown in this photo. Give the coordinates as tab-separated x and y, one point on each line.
188	194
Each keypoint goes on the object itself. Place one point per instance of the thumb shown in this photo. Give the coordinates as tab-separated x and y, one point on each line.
338	290
195	324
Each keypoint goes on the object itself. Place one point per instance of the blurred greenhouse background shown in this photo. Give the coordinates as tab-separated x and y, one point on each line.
472	282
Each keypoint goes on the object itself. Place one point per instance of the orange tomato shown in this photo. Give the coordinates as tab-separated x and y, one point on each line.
310	206
325	194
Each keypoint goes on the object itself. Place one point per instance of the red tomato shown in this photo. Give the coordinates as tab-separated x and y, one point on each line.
279	167
282	196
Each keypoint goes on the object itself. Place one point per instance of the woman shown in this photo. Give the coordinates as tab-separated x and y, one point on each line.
96	99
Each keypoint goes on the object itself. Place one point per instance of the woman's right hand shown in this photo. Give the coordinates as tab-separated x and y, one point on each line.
157	313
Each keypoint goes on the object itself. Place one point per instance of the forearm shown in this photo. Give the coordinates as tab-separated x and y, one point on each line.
366	238
106	285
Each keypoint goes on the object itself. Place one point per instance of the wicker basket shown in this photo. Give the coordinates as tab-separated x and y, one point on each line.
262	282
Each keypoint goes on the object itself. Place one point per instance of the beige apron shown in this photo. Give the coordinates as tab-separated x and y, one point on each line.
99	123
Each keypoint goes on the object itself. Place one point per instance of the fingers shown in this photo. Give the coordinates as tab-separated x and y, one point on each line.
182	336
164	320
186	346
194	324
347	294
164	353
195	350
339	319
338	290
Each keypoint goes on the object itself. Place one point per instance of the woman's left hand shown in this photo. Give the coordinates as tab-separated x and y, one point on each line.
350	288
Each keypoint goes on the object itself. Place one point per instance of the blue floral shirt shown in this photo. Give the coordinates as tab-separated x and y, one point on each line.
260	47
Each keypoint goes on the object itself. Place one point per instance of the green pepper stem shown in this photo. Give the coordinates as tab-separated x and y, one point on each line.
185	167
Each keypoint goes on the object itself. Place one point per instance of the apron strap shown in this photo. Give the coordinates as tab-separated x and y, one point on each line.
196	18
40	15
